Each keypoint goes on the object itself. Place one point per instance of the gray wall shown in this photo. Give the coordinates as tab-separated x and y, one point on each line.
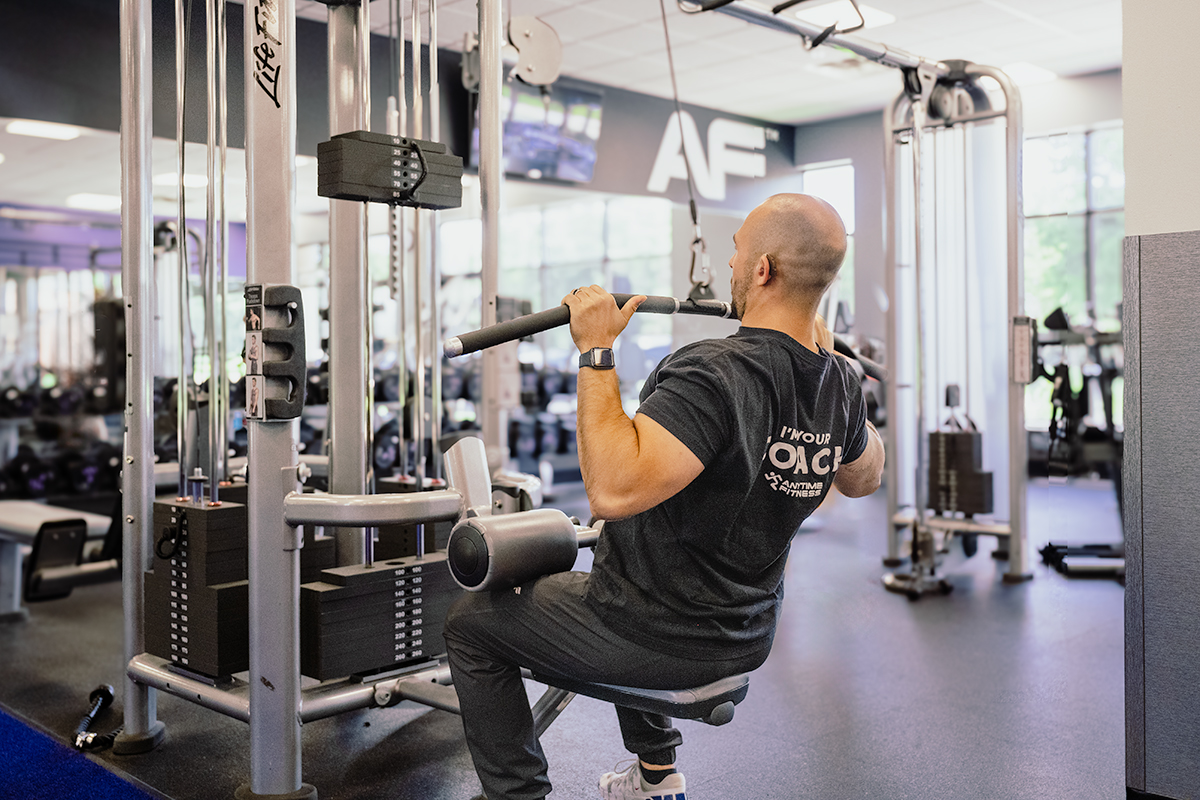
1162	454
860	139
1162	506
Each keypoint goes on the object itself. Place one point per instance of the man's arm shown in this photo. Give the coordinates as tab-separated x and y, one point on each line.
628	466
863	475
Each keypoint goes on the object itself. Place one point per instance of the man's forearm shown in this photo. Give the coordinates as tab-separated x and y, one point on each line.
606	437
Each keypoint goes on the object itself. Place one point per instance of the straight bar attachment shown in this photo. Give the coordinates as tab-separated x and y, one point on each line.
556	317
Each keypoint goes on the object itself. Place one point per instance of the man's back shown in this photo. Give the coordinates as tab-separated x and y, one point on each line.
701	573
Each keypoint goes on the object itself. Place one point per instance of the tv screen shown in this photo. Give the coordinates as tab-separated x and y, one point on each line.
549	133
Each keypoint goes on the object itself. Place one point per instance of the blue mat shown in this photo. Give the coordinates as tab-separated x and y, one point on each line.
35	767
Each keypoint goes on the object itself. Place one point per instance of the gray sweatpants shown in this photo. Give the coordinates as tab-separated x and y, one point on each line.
547	627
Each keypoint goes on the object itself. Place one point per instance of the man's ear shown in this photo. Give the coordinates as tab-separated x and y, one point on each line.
764	270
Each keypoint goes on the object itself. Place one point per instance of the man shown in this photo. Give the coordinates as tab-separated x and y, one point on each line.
735	443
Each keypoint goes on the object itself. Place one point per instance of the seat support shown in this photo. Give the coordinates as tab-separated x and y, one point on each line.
712	703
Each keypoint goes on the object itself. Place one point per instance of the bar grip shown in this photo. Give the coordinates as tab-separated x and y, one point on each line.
530	324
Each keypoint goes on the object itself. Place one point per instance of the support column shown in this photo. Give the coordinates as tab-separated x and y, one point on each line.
143	731
274	555
491	172
350	398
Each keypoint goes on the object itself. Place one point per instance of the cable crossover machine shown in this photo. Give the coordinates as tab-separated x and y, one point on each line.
212	587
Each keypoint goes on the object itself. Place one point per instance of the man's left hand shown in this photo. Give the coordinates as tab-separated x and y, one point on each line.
596	321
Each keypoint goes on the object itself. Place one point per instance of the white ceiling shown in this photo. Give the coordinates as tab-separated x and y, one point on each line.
735	66
722	63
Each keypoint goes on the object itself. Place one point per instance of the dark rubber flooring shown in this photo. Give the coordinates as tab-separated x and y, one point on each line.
995	691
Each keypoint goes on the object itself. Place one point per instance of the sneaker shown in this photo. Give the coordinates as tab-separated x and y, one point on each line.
628	785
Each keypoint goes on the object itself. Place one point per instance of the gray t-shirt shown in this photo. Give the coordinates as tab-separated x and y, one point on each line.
701	574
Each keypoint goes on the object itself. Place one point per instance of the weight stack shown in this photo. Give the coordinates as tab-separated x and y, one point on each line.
957	483
369	618
197	598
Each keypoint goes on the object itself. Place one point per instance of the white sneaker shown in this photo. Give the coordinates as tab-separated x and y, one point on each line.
628	785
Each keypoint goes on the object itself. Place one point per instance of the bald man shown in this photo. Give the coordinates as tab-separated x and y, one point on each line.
735	443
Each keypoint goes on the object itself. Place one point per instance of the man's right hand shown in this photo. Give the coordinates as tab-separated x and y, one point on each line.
596	321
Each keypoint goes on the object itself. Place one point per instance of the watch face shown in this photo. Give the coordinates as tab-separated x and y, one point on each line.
597	358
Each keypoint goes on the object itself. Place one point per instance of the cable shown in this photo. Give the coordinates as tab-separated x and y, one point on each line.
700	289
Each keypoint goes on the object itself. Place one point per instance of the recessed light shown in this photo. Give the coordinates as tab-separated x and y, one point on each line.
87	201
189	181
46	130
1023	73
841	13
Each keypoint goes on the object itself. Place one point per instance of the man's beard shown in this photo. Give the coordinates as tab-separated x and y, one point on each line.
738	290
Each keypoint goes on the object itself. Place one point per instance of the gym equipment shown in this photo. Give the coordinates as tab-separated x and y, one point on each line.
712	703
377	168
22	523
942	338
499	333
942	101
85	738
499	552
1077	448
196	595
372	617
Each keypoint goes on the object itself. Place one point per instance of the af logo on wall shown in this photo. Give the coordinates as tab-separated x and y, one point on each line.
709	172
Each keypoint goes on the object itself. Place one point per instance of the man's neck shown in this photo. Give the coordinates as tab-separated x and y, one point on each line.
798	325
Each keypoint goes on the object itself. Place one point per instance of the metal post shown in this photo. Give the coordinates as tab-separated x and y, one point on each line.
142	731
274	555
420	265
491	169
181	388
435	273
892	286
1018	445
350	401
217	440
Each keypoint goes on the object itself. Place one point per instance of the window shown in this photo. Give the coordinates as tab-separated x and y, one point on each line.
1074	197
834	183
621	243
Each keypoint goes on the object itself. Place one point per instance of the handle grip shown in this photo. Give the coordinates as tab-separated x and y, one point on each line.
530	324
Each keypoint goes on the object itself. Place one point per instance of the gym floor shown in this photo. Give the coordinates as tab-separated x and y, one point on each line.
993	692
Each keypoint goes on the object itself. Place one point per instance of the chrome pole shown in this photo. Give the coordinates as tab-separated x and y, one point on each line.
435	279
274	547
181	388
420	265
142	730
491	171
1018	445
210	250
349	304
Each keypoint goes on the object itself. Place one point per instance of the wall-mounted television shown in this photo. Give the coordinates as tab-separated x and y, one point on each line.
549	132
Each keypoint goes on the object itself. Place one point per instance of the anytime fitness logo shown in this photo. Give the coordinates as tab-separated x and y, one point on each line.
709	173
801	453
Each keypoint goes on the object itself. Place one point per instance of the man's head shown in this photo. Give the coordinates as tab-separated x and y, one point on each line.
792	244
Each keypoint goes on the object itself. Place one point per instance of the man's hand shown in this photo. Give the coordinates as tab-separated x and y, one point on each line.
595	319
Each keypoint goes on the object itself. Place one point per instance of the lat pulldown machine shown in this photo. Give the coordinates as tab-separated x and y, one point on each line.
943	227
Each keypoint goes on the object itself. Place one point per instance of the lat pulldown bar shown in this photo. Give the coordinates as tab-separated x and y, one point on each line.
530	324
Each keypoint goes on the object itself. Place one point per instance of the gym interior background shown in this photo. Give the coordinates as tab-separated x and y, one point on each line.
1072	684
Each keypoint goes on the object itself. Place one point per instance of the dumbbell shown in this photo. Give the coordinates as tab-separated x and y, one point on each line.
506	550
33	477
16	402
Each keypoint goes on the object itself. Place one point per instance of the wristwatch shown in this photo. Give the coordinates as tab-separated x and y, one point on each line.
597	358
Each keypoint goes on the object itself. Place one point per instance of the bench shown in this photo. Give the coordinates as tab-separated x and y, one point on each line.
712	703
63	532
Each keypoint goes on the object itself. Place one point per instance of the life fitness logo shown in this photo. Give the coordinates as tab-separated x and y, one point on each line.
709	172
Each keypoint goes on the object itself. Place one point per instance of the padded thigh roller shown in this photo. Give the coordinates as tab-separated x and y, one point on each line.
499	552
